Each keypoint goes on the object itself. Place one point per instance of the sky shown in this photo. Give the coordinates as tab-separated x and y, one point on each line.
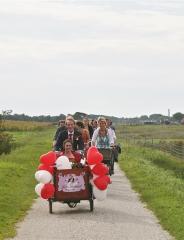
122	58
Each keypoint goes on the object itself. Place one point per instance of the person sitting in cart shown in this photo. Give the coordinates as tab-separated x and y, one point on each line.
73	156
71	187
102	137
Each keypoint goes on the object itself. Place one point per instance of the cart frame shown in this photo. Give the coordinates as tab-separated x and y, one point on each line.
75	198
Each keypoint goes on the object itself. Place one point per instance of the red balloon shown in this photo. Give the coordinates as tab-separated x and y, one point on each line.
48	158
94	158
100	169
91	150
101	182
107	178
46	167
47	191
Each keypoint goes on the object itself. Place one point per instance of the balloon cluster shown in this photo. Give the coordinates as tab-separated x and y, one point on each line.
100	172
44	175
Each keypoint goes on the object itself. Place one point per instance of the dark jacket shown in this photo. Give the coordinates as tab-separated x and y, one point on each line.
78	143
59	129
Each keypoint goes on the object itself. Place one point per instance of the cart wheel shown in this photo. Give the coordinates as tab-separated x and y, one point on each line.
72	204
50	206
91	202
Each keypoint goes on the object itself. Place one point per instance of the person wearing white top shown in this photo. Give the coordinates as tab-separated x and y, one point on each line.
102	136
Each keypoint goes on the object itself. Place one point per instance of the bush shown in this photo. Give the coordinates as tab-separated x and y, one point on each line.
6	142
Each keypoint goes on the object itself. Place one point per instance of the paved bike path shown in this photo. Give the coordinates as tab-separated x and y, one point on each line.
120	217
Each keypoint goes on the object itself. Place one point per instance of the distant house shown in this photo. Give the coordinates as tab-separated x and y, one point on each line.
151	122
182	121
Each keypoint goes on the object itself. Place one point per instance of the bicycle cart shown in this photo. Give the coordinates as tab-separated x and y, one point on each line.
72	186
108	158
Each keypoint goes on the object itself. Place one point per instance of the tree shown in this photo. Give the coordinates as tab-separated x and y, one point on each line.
3	117
6	140
6	113
144	117
178	116
156	116
79	115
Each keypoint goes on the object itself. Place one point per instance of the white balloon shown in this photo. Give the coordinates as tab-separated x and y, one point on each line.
62	159
99	194
59	167
64	166
63	163
59	161
38	188
43	176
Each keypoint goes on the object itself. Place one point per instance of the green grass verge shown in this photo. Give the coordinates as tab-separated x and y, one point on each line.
159	179
17	179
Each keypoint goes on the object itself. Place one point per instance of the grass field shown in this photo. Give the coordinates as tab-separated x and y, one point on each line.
158	177
10	125
17	177
166	132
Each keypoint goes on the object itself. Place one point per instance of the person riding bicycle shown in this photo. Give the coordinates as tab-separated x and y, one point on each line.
102	137
70	133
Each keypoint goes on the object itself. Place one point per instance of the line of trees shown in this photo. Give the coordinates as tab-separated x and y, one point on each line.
175	117
7	114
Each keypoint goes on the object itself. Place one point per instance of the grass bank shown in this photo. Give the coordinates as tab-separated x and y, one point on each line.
17	179
159	179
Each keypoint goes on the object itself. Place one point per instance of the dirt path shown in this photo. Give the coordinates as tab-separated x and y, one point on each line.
121	217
